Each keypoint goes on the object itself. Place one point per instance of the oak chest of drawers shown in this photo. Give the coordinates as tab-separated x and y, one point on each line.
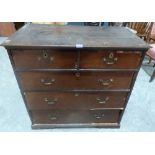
74	76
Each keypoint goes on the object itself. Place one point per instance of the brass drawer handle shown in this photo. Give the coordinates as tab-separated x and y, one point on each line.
99	116
51	117
47	83
105	82
110	60
50	101
102	101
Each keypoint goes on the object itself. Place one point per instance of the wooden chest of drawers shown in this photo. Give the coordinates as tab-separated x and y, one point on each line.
73	76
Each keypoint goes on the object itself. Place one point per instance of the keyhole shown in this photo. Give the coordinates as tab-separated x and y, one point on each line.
45	55
111	55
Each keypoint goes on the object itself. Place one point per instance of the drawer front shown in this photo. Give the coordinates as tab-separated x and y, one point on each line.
110	60
75	116
77	100
70	81
44	59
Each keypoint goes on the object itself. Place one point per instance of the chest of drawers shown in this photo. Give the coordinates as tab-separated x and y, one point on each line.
74	76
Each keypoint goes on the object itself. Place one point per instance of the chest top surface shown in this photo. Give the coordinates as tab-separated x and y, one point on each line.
56	36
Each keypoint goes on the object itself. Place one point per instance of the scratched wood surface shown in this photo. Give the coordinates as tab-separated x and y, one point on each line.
60	36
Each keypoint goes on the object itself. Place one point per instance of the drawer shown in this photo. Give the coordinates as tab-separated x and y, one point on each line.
75	100
44	59
70	81
109	60
75	116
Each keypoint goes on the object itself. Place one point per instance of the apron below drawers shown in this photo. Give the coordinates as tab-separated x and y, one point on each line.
75	117
75	100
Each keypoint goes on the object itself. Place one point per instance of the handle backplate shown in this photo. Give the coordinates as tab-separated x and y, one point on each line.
48	82
111	59
50	101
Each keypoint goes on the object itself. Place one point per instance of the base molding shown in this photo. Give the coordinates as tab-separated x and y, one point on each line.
84	125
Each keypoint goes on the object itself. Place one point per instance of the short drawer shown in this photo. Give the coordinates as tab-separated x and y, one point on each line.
44	59
71	81
75	116
109	59
75	100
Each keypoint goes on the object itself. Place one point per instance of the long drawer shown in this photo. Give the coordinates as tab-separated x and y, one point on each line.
75	116
75	100
109	59
71	81
44	59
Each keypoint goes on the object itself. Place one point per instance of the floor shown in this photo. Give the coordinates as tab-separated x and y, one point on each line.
139	114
